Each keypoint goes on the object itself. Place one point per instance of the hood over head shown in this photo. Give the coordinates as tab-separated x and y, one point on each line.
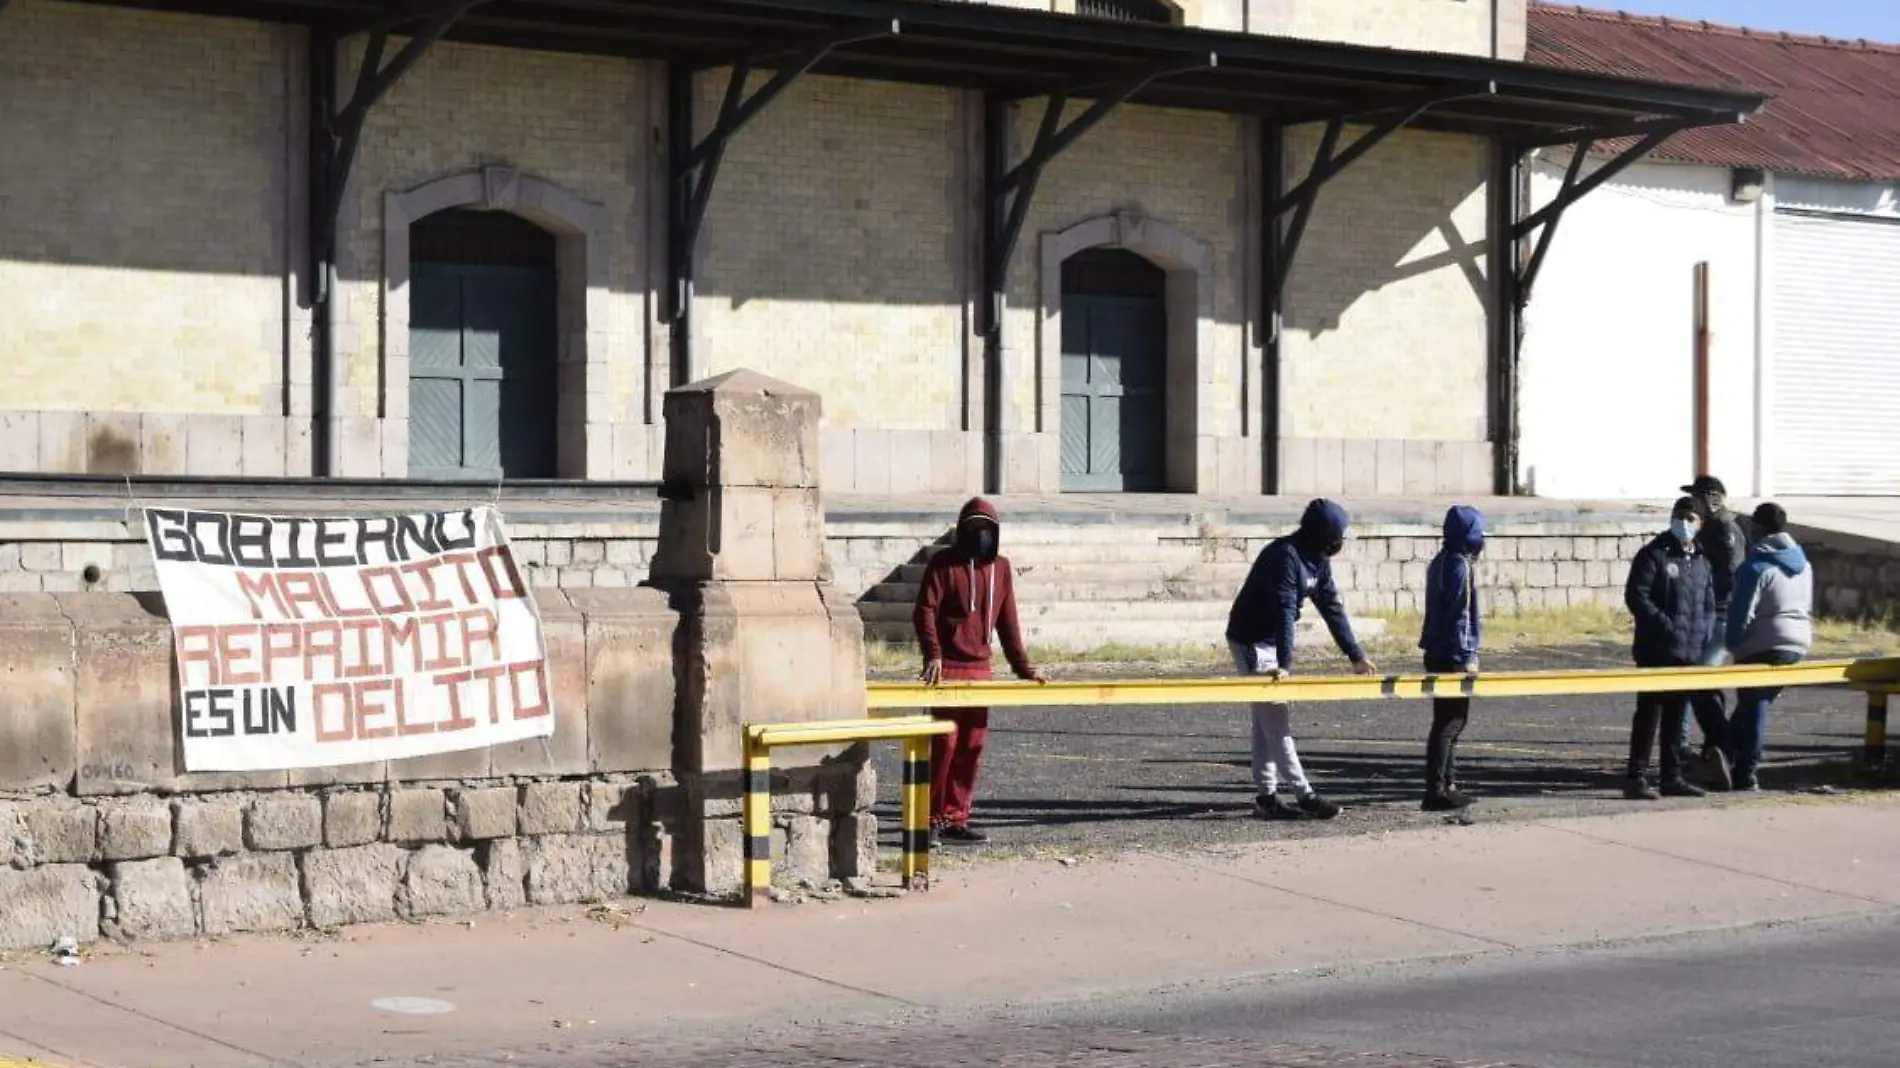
979	529
1464	529
1323	526
977	507
1782	551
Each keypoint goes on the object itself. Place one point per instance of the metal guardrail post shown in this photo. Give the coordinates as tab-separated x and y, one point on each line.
758	819
760	739
917	813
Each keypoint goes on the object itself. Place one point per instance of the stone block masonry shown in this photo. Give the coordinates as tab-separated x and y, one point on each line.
102	832
308	861
874	551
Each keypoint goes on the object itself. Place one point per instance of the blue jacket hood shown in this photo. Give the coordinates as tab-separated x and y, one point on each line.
1324	522
1782	551
1464	529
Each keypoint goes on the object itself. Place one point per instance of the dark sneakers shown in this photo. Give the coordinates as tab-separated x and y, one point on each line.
954	835
1681	788
1275	807
1317	807
1309	806
1716	769
1637	790
1448	801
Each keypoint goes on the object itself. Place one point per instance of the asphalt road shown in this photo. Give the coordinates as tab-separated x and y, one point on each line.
1100	779
1817	997
1821	997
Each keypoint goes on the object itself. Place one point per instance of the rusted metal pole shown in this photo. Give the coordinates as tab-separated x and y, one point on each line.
1702	368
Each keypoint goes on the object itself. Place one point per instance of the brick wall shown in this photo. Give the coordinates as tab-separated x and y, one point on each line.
836	255
1389	289
581	123
1461	26
1185	168
144	319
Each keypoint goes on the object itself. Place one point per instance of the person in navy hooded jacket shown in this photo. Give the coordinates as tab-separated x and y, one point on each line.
1450	639
1260	628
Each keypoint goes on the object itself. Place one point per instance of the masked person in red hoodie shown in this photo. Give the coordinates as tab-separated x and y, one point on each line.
967	596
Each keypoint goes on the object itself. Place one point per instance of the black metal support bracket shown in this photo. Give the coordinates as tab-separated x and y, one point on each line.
695	164
1011	190
1503	266
337	132
1575	188
1329	161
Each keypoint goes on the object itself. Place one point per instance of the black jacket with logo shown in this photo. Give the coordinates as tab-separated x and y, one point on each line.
1671	592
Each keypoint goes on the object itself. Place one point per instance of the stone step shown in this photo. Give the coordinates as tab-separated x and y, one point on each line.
1118	568
1083	634
1060	588
1119	552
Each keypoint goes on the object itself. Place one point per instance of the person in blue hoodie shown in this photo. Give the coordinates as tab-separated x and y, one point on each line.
1453	630
1770	621
1260	629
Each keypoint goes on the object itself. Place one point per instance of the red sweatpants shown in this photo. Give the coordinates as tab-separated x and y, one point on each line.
954	757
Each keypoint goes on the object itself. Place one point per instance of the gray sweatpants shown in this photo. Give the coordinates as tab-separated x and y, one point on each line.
1275	758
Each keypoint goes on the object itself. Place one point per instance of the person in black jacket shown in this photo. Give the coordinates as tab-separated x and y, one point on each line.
1671	593
1260	632
1724	540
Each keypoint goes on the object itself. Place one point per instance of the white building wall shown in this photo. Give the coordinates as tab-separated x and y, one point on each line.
1607	366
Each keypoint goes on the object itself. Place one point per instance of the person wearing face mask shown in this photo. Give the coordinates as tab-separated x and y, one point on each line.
1260	629
1453	630
967	597
1671	594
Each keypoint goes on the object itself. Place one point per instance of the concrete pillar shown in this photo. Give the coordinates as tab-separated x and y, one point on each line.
764	636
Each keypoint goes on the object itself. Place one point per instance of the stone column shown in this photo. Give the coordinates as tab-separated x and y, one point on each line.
764	636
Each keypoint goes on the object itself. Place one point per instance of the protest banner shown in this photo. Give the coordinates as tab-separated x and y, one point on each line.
323	640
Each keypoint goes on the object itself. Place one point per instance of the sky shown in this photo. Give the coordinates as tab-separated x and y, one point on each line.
1875	20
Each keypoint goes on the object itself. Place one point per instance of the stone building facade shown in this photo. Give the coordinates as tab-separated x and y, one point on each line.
156	288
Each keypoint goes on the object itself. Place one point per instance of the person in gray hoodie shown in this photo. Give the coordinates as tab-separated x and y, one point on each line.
1769	622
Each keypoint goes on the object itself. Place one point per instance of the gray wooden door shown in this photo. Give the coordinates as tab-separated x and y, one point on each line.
481	381
1114	414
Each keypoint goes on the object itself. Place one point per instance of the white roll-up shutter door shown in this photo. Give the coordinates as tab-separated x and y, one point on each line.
1835	427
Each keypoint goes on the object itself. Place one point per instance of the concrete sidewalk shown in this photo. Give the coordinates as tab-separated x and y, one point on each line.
1015	933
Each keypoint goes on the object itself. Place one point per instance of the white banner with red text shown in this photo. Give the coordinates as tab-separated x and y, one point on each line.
315	641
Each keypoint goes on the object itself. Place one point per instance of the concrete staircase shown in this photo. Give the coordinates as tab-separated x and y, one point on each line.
1082	587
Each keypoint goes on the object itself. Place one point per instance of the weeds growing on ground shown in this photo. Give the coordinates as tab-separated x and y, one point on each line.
1521	633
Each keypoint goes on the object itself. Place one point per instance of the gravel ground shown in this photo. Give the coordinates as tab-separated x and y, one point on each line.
1080	780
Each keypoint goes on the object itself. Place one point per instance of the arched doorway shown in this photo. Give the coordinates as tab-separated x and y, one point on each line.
1114	372
483	340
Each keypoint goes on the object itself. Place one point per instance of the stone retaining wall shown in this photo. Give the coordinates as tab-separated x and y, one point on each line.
152	867
101	833
1855	577
1530	566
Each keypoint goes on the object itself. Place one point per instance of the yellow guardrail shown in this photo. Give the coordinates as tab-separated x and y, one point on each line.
1878	677
760	739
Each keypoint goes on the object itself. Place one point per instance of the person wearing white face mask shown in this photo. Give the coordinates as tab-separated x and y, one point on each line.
1671	594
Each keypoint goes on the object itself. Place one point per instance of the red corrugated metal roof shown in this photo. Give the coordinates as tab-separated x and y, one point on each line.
1833	109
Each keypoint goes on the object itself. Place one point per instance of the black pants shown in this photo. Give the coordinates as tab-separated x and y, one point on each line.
1653	711
1449	715
1711	714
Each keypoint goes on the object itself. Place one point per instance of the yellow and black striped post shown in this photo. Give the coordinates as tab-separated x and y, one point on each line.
758	818
1876	752
917	813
